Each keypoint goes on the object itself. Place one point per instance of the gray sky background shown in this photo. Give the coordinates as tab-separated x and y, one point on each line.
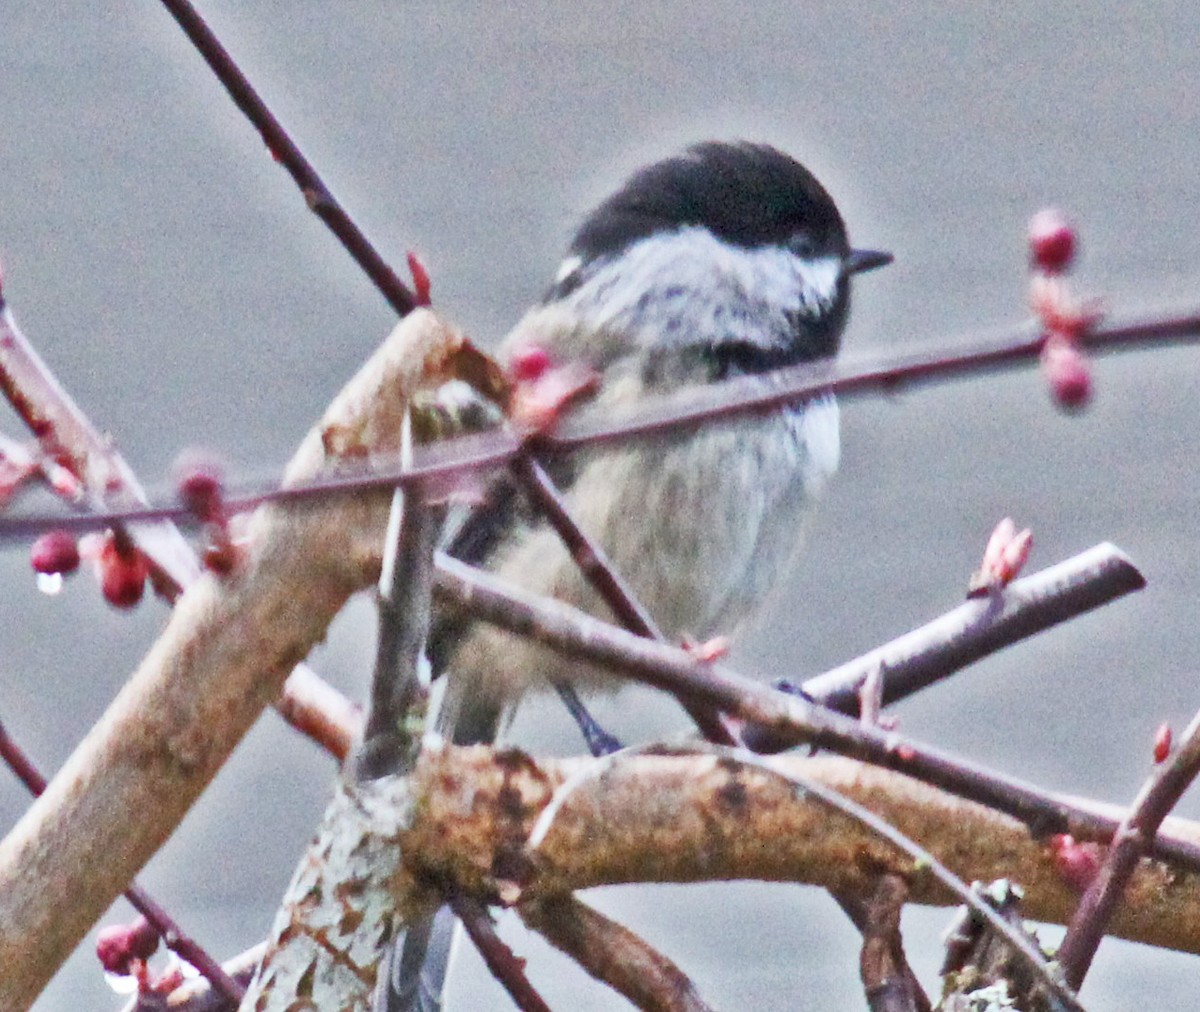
168	271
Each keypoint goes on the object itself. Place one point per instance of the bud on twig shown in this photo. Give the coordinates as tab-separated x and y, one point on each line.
1052	246
1162	743
421	282
1051	241
55	552
1077	861
121	569
1004	557
120	946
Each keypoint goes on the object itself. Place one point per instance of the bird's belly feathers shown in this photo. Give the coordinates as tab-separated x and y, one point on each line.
702	527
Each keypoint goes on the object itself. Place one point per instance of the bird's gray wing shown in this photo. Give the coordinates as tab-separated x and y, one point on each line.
414	977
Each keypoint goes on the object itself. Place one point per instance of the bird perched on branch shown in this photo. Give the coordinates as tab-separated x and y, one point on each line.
727	260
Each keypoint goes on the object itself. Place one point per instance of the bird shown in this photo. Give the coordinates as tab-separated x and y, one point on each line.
725	260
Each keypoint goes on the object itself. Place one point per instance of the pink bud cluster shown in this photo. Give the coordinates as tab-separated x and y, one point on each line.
1065	322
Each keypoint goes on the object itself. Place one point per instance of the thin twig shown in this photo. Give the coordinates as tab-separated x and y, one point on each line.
395	720
67	435
591	427
596	568
500	959
1133	838
590	557
183	945
925	861
888	979
972	631
789	718
281	146
613	954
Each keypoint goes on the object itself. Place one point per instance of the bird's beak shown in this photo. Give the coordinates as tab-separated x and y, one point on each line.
859	261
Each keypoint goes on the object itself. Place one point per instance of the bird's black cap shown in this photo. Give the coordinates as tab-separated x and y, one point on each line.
749	195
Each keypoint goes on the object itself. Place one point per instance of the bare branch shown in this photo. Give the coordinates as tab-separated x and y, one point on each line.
888	980
224	655
667	818
786	718
175	939
316	194
591	427
613	954
500	959
396	719
978	628
1016	940
1133	838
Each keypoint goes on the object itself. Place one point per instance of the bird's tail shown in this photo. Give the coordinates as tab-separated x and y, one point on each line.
415	976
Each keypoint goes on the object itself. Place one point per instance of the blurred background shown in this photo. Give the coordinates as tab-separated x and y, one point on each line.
170	274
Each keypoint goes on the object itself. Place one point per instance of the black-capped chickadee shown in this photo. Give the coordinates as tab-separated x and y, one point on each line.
726	260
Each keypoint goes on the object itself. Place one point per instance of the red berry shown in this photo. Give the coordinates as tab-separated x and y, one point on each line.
55	552
1051	241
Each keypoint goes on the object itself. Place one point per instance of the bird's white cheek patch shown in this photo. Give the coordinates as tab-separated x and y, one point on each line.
568	267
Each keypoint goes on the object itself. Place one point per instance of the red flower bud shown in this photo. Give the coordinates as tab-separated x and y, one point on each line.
118	945
122	570
199	478
421	283
1076	862
1068	372
1162	742
55	552
1051	241
529	362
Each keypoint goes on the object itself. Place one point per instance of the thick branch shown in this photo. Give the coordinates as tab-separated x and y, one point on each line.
224	655
701	818
786	719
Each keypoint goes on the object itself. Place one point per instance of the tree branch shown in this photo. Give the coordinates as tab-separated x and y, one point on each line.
689	409
613	954
670	818
1133	838
224	655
